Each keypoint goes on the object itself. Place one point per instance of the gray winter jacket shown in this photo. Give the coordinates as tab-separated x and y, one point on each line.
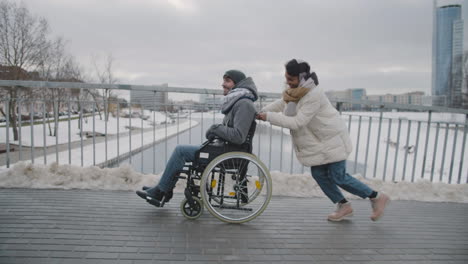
238	117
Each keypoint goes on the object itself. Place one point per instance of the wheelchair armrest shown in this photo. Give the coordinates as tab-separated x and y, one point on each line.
209	141
206	143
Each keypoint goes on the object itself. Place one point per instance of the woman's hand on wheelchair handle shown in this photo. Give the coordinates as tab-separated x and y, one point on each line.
261	116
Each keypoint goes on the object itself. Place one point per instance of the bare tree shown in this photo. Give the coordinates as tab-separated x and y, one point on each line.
105	75
22	42
58	66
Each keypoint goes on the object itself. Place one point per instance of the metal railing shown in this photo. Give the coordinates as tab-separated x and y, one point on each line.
423	143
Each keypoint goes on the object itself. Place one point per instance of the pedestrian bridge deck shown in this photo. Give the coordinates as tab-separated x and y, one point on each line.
86	226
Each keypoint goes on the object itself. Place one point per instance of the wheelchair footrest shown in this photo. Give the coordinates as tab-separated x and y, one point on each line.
154	202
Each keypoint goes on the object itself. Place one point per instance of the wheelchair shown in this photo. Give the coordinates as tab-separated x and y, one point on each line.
228	180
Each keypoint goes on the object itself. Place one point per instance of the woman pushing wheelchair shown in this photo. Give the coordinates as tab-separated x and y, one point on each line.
320	138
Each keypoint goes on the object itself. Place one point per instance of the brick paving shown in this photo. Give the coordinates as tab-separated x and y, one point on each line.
85	226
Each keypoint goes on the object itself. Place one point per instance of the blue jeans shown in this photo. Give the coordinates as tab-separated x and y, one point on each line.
181	155
330	176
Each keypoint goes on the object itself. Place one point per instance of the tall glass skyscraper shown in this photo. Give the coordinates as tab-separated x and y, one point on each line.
447	68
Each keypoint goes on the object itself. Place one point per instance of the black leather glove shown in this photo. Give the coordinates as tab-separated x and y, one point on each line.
210	136
209	133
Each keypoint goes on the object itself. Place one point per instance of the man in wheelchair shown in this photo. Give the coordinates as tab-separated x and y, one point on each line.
238	127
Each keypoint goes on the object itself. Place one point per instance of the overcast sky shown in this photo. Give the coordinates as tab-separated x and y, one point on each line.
383	46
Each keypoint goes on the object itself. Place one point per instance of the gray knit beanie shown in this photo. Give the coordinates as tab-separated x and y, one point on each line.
235	75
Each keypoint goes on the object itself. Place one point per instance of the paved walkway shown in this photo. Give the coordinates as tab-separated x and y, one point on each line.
83	226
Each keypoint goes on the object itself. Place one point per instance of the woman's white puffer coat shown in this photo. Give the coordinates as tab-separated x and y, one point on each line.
319	133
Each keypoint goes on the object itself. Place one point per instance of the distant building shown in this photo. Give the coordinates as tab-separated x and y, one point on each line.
415	98
149	100
428	100
349	94
447	54
17	73
210	101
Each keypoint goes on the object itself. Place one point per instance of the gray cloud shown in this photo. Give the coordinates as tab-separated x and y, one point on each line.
383	46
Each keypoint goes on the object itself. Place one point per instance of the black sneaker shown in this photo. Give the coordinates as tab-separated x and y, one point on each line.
153	198
142	194
168	196
144	188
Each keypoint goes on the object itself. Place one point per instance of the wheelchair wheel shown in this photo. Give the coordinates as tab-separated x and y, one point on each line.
236	187
191	212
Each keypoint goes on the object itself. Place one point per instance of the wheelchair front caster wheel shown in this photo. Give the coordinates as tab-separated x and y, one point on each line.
194	211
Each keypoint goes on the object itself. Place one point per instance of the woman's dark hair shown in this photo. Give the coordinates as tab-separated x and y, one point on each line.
314	77
294	68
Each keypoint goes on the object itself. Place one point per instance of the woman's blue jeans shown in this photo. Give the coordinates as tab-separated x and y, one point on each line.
330	176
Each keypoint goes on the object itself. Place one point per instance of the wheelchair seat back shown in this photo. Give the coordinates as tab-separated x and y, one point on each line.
210	150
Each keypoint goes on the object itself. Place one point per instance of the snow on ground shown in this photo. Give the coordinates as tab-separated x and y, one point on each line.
303	185
54	176
99	153
114	125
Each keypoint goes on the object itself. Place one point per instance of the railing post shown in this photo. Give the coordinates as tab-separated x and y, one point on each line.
56	116
367	147
154	132
20	128
357	144
378	140
435	151
165	129
281	151
7	127
69	130
130	128
271	142
214	107
406	149
31	125
427	142
396	149
454	147
386	149
444	151
463	150
106	119
94	134
292	156
81	130
416	147
44	132
118	131
142	142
